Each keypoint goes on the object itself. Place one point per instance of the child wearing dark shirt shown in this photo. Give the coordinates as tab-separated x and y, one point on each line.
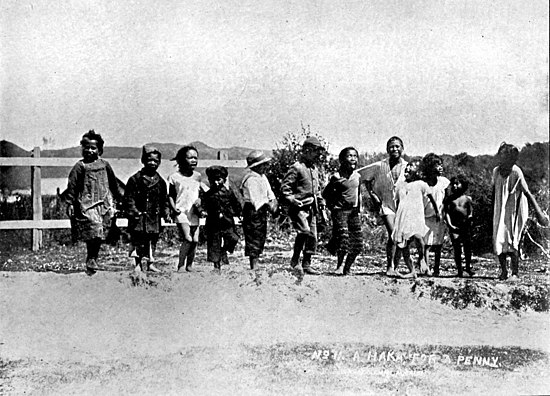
342	197
221	206
147	204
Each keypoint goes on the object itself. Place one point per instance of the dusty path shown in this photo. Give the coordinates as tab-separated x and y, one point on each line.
204	323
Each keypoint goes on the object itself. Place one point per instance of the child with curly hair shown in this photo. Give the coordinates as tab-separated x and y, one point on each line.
146	197
432	174
92	194
184	188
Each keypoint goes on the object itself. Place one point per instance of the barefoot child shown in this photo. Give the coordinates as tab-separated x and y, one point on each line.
259	200
432	172
92	191
381	179
342	197
409	219
458	215
221	206
511	196
184	187
147	204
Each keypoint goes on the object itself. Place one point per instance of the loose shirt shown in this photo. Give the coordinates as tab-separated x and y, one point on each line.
256	189
380	173
510	210
187	193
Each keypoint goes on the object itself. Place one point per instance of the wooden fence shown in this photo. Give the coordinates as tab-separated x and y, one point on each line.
37	224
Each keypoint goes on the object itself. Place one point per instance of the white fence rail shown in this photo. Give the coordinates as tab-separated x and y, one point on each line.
37	224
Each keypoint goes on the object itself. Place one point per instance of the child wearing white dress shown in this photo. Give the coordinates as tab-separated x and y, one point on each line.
409	222
184	187
432	174
511	195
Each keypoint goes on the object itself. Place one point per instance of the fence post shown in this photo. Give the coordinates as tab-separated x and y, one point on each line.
36	195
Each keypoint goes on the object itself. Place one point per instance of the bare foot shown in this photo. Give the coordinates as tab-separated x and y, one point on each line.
410	275
393	273
152	268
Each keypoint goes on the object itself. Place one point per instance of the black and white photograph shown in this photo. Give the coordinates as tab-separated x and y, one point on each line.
274	197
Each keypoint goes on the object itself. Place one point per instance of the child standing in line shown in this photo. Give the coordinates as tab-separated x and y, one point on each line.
184	187
302	190
432	171
458	215
221	207
511	195
258	201
342	197
147	204
92	192
409	219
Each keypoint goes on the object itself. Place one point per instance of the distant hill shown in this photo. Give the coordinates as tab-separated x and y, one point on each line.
16	178
168	151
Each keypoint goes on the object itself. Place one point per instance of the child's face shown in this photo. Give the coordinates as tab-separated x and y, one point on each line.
313	154
395	149
410	172
456	186
152	162
90	150
261	169
350	160
506	160
438	168
217	182
191	160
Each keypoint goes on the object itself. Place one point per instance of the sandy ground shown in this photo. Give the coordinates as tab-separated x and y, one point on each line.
247	332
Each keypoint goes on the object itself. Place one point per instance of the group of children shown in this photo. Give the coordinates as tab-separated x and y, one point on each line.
414	200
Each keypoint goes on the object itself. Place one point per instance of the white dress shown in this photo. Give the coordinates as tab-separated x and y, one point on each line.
409	219
436	229
187	192
511	210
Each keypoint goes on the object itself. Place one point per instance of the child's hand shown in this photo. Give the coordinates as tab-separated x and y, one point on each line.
437	217
296	202
197	203
70	210
167	219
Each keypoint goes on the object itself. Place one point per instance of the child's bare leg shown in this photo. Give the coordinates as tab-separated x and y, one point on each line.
350	259
341	255
503	266
298	246
468	255
396	253
421	259
457	250
514	263
390	253
409	262
217	267
426	252
186	242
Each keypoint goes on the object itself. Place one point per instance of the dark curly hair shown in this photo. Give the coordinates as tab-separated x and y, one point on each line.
462	180
508	150
344	152
428	163
92	135
182	152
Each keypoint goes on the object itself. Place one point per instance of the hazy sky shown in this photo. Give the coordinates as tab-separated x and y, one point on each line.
447	76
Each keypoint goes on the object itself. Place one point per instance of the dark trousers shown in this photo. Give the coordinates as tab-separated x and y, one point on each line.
219	242
255	229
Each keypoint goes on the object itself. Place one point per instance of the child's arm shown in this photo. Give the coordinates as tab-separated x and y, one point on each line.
542	218
130	195
434	204
172	194
74	185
